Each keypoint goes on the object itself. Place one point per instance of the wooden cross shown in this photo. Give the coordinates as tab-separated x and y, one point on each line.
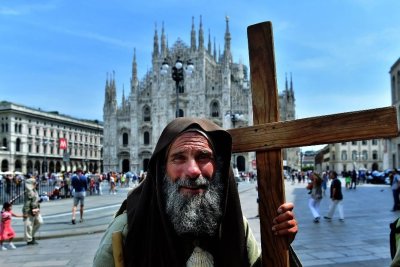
269	136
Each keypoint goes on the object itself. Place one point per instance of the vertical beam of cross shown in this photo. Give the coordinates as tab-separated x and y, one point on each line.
269	163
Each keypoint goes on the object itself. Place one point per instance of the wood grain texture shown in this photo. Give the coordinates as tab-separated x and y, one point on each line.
359	125
269	163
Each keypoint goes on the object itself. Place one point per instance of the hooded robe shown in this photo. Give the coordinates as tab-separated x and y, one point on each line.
150	239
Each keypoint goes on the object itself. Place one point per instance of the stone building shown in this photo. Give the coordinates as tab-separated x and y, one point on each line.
394	143
217	89
35	141
353	155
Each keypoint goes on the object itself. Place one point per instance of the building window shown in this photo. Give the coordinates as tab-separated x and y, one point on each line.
146	138
124	139
37	131
364	142
365	155
375	155
374	142
30	148
344	155
354	155
344	143
353	143
20	128
215	109
29	130
18	145
16	128
37	148
5	142
146	114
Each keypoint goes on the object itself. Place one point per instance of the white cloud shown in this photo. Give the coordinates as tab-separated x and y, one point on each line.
19	10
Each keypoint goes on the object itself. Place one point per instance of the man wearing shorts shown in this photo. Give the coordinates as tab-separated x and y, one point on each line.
79	184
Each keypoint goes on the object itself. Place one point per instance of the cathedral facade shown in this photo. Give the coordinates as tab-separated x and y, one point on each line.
217	89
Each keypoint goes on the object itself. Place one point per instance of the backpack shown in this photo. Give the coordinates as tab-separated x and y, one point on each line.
394	236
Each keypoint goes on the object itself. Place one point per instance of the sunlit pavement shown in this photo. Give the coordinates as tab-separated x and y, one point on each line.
361	240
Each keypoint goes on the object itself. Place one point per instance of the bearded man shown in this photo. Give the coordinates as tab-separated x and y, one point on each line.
187	211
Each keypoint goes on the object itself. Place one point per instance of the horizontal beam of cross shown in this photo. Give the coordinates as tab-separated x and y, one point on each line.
359	125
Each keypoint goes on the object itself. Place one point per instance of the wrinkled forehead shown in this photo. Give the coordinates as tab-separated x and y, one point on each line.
191	140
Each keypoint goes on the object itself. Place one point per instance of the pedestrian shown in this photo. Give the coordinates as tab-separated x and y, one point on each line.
395	183
336	198
325	179
347	177
112	184
187	212
315	196
79	185
353	183
6	230
31	211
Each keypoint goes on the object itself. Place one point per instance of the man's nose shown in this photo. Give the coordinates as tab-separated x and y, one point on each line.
193	169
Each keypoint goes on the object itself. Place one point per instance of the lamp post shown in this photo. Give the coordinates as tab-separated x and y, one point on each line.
177	76
45	143
301	161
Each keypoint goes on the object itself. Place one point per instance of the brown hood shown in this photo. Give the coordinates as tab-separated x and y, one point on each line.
151	240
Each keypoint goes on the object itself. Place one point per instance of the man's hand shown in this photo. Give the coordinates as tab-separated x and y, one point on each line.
285	223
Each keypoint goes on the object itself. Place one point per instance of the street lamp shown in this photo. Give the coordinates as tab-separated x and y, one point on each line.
177	76
301	161
45	143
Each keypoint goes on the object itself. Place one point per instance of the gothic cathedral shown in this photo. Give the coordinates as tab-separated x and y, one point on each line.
217	89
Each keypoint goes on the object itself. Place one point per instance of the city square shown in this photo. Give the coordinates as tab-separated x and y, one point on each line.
361	240
99	92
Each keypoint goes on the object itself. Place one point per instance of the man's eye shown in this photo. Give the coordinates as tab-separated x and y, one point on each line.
178	158
205	156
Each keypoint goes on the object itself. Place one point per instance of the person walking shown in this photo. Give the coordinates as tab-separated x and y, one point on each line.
336	197
315	196
31	211
79	185
353	183
6	230
325	179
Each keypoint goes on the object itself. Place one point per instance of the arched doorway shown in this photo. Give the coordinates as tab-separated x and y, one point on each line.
241	163
37	167
29	166
58	166
91	167
125	165
51	167
4	165
145	164
17	165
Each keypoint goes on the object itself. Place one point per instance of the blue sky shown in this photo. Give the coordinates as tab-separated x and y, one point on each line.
55	54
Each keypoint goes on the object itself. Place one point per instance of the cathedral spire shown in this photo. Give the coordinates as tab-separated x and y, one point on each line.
291	82
201	35
193	37
134	78
163	42
155	45
209	43
123	96
286	82
227	48
215	50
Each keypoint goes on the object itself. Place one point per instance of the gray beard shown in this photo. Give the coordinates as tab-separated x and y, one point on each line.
197	215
